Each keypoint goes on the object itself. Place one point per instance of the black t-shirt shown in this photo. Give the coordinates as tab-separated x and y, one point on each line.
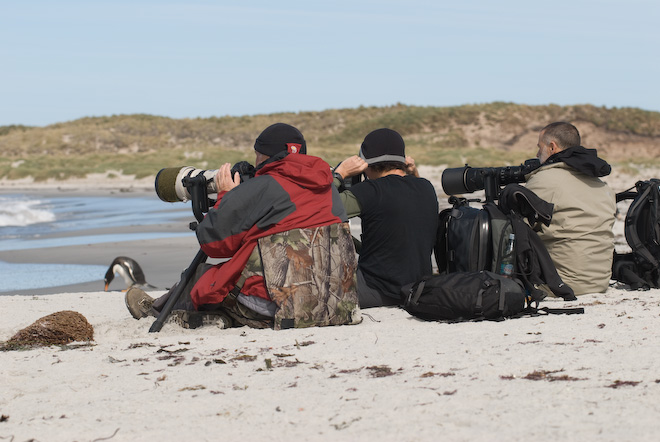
399	224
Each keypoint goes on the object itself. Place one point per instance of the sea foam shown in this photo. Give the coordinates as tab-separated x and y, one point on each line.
23	212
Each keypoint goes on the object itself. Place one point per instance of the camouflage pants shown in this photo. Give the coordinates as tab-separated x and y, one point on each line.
240	314
309	274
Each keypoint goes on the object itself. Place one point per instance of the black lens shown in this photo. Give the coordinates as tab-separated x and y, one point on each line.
461	180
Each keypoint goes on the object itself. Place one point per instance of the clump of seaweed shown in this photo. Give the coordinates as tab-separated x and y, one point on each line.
58	328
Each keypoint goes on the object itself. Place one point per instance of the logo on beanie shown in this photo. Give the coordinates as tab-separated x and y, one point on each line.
293	147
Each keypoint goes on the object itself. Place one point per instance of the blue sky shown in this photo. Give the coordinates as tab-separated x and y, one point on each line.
63	60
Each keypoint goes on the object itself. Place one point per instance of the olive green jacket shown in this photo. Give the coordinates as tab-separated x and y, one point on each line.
580	238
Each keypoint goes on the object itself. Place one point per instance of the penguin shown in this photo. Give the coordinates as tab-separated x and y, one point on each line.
129	270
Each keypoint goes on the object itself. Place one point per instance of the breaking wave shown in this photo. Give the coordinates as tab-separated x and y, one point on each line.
23	212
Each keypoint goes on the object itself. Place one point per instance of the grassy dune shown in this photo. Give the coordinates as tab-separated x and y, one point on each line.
493	134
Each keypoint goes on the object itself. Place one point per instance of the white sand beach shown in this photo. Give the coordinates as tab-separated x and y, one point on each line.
585	377
593	376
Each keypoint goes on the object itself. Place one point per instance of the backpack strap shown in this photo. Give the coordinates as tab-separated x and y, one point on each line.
481	236
440	249
562	311
521	200
534	264
420	287
626	195
533	311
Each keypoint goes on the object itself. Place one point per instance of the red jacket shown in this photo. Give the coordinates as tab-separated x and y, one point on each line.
295	191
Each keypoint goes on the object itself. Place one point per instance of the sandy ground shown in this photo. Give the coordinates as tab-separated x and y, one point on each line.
581	377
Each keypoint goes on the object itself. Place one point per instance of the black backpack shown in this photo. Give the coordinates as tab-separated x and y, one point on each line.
464	241
641	267
472	240
464	296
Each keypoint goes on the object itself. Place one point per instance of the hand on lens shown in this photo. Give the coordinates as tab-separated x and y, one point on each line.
223	179
351	166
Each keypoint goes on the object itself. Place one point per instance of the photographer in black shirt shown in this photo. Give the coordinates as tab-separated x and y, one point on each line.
399	213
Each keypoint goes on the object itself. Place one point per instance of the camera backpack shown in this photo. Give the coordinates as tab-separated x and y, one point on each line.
472	296
469	239
473	240
464	296
641	267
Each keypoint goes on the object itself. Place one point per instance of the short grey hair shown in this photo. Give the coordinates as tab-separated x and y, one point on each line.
564	134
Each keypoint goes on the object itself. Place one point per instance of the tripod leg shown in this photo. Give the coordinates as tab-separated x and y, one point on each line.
176	294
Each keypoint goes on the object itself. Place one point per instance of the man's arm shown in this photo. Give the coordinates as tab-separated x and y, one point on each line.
257	203
351	204
348	168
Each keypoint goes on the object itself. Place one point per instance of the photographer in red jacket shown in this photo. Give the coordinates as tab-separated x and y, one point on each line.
290	190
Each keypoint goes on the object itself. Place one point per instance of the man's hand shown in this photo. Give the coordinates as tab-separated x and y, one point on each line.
223	179
351	166
411	169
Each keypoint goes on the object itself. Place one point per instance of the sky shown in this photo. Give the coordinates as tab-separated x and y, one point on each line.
63	60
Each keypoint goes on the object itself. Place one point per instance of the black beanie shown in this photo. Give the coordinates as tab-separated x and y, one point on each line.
280	137
383	145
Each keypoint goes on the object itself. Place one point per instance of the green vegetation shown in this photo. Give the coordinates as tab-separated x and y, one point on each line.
491	134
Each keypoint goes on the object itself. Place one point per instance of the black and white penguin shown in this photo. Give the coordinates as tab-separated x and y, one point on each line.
129	270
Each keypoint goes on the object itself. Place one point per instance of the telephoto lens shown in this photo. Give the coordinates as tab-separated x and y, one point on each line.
169	183
461	180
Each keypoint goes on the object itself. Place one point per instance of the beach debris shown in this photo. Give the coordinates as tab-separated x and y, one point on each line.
303	343
58	328
380	371
106	438
141	344
429	374
193	388
448	393
165	350
247	358
344	425
618	383
544	375
350	370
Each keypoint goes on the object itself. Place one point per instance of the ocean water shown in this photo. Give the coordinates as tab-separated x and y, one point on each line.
26	219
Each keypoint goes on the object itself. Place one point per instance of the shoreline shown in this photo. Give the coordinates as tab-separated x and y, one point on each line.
163	260
119	184
170	249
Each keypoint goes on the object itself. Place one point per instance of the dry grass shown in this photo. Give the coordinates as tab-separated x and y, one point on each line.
493	134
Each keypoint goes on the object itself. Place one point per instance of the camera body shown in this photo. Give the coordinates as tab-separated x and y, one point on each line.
461	180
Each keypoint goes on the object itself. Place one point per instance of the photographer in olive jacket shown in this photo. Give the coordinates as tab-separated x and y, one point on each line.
292	260
579	238
399	214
